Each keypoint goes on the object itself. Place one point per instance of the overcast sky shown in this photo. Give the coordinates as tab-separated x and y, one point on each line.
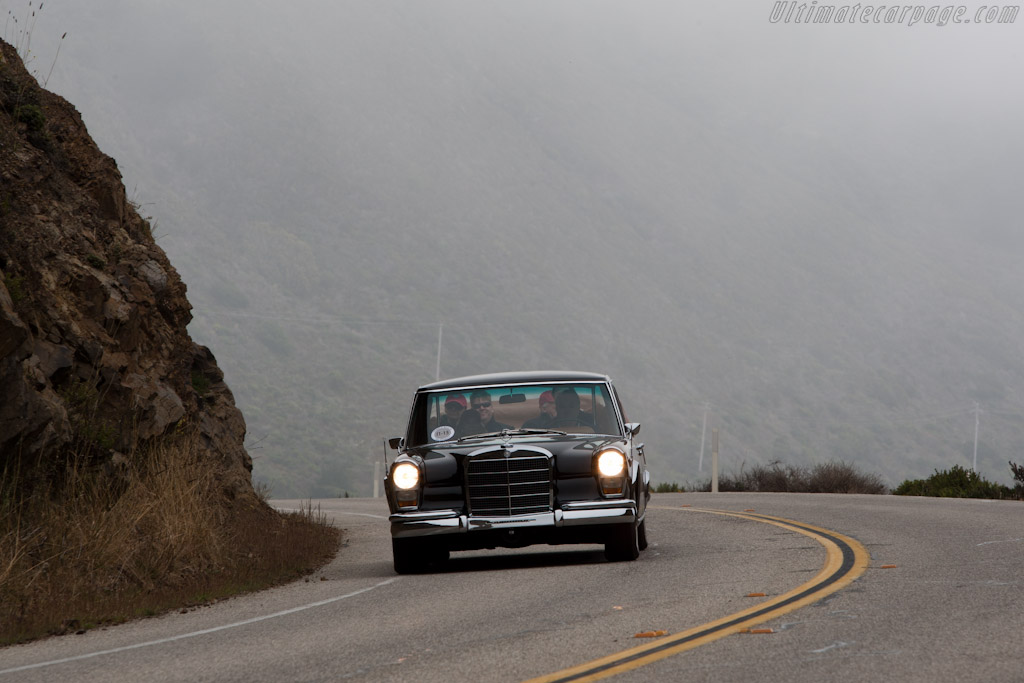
940	104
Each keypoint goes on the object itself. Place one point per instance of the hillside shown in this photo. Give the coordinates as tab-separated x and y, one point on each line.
96	356
125	486
609	190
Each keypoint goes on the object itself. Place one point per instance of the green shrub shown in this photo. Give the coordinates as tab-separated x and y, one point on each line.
1018	478
841	477
15	287
201	383
956	482
665	487
31	115
830	477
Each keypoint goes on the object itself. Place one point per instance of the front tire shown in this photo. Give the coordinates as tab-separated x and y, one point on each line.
406	556
623	543
415	555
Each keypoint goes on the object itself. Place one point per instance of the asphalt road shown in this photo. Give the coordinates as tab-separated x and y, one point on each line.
951	609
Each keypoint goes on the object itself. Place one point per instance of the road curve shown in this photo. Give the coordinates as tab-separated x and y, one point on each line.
939	597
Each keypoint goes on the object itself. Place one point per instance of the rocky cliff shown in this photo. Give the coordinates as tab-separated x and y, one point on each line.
94	353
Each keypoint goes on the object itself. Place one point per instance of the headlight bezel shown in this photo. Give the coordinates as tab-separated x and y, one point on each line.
407	493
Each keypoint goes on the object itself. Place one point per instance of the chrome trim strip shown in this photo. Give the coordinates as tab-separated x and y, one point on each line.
404	528
519	521
600	504
592	517
422	516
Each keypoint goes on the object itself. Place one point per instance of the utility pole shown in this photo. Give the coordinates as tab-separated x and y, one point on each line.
714	461
437	372
977	421
703	430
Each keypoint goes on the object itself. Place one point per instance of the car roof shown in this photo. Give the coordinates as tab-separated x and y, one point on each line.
530	377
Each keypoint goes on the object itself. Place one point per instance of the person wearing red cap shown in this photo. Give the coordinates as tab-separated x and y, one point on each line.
454	406
547	412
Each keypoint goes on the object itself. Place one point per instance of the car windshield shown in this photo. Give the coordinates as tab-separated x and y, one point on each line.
572	408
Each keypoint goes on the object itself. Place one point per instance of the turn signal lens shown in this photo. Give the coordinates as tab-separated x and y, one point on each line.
611	463
406	476
612	487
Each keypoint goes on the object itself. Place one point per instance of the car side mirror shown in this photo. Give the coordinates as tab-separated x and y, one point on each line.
397	442
633	428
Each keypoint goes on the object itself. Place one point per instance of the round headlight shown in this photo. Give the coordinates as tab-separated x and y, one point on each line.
611	463
406	476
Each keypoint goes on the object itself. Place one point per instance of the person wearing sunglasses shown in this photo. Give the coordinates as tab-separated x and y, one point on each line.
480	401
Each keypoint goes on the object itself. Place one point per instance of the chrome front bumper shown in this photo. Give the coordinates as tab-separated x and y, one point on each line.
584	513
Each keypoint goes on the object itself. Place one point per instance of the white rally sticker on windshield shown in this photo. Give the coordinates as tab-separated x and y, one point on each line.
442	433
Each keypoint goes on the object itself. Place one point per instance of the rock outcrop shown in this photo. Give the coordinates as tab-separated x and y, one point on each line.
94	350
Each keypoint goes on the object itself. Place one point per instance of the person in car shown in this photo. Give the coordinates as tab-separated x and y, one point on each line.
454	405
480	401
547	412
567	410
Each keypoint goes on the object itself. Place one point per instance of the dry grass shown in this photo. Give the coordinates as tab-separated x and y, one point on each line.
105	545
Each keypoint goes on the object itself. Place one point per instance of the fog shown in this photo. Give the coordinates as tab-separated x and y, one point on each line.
814	228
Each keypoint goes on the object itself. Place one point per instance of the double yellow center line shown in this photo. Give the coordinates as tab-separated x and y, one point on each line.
845	561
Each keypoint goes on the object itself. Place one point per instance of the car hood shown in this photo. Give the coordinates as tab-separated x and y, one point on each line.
556	444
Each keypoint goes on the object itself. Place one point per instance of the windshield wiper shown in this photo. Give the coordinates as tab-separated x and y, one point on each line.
531	430
510	432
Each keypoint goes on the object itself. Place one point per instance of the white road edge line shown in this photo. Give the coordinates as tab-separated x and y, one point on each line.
1012	540
193	634
833	646
335	512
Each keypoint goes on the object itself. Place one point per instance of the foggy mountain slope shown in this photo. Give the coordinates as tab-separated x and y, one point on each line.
617	190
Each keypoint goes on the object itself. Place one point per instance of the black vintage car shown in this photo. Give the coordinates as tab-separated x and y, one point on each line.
514	459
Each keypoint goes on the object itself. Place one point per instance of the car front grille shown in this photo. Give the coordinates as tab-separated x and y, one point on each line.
519	484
